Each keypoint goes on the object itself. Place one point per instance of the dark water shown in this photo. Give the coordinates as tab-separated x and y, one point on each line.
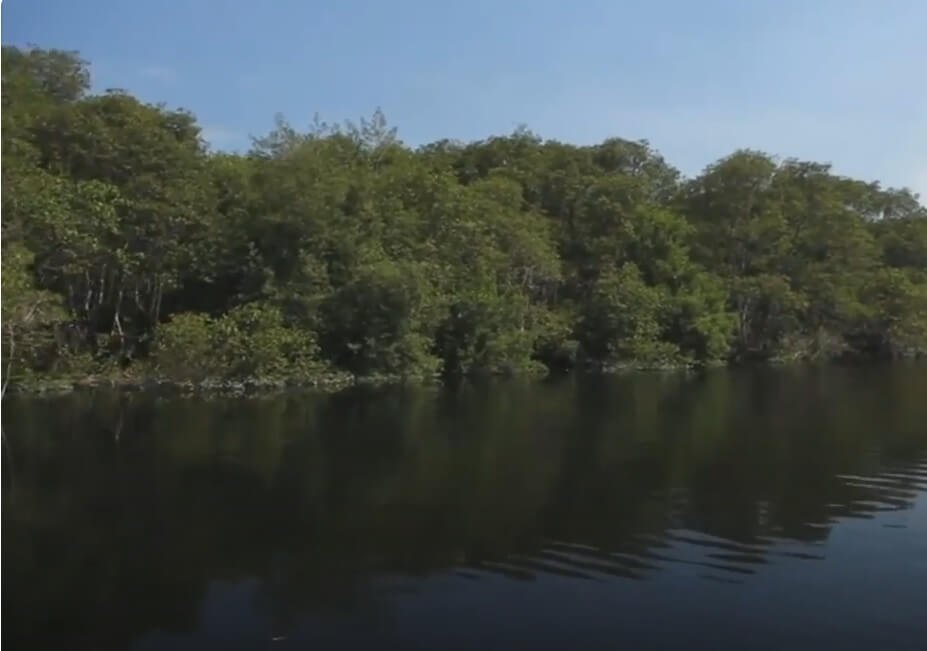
763	509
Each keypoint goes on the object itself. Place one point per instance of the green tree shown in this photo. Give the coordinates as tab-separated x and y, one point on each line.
621	321
340	243
29	316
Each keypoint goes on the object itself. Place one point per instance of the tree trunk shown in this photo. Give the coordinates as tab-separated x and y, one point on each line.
11	349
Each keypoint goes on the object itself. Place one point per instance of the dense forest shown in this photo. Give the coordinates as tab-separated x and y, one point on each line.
130	249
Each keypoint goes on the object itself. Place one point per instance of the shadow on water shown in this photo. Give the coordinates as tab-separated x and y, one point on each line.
130	512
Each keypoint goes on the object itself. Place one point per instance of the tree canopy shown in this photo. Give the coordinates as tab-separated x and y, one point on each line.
128	244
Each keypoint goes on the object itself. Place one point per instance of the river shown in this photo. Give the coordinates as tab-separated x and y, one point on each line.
744	509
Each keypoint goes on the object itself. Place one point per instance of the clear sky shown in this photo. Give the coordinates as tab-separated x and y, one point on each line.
830	80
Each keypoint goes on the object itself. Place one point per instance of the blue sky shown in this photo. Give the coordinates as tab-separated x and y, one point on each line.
830	80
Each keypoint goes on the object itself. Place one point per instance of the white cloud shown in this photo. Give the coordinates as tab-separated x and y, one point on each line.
162	74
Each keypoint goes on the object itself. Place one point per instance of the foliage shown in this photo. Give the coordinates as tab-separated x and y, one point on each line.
29	316
621	320
251	341
126	239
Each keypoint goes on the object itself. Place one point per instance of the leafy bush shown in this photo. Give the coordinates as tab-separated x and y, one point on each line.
250	342
621	321
374	325
186	348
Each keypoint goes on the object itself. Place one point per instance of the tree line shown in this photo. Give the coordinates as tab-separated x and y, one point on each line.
130	247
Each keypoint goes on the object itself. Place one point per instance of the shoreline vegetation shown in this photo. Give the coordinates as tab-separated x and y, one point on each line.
333	381
135	256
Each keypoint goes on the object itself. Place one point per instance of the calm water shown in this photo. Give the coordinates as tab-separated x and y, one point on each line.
764	509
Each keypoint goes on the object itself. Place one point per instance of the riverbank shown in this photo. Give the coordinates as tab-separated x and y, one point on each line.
334	381
330	381
209	386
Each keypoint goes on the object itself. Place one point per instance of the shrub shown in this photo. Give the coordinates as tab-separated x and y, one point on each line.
250	342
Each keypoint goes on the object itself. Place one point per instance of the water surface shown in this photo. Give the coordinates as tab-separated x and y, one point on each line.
755	509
